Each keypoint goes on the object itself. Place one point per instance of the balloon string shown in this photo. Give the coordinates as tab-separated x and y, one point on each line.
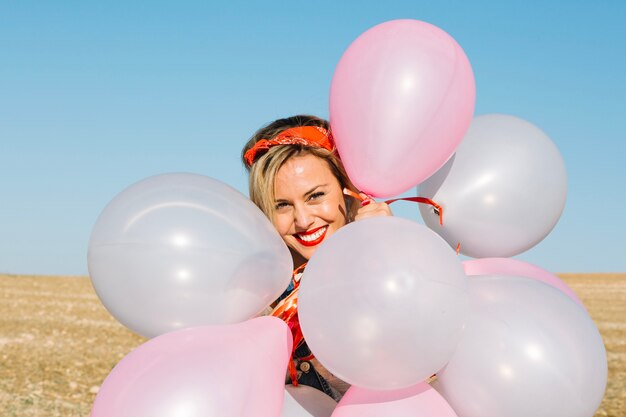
363	200
353	194
438	208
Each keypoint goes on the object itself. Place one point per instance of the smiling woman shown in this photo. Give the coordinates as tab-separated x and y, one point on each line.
310	204
298	181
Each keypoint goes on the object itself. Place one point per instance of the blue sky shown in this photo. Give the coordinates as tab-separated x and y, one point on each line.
95	96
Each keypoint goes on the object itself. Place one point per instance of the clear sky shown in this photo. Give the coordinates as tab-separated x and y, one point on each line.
95	96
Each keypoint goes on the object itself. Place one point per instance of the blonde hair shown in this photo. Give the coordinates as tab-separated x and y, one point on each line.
262	173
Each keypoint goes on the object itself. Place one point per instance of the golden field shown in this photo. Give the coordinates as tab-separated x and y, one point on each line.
58	343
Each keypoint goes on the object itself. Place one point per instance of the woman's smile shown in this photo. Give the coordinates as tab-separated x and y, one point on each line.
312	237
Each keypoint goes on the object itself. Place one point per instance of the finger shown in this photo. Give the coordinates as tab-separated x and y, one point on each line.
375	209
365	199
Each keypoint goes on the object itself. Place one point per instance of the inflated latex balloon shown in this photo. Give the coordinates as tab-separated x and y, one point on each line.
417	401
502	192
184	250
401	99
382	303
305	401
515	267
527	350
235	370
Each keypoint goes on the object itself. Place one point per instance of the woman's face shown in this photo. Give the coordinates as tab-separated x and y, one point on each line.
309	203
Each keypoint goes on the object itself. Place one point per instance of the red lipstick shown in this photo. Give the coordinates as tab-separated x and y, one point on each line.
313	242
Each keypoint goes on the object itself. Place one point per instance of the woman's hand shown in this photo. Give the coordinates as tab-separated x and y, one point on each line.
371	208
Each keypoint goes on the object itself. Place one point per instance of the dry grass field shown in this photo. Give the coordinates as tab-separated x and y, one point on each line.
58	343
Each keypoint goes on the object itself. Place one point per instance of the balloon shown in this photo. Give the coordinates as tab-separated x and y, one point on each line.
235	370
527	350
382	303
305	401
508	266
502	192
184	250
417	401
401	98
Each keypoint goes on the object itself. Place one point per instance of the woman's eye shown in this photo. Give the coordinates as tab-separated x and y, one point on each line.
316	195
281	205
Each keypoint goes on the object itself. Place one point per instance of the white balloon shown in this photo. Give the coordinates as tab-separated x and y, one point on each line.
184	250
502	192
305	401
527	350
382	303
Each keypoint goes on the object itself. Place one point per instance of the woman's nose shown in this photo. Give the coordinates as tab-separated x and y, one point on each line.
303	218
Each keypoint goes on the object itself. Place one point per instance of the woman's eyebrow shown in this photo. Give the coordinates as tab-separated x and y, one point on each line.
305	195
280	200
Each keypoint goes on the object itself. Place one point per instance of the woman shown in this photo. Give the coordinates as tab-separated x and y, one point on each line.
298	181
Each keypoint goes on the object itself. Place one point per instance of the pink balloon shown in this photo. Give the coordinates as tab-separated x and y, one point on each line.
229	370
401	99
515	267
418	400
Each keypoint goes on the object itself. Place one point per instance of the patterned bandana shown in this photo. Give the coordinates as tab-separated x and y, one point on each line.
314	136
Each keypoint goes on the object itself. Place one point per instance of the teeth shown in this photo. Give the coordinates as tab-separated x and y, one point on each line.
312	237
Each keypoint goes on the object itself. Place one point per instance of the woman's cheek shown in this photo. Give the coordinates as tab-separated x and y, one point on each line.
281	225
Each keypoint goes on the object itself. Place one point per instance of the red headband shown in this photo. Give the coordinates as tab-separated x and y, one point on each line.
315	136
